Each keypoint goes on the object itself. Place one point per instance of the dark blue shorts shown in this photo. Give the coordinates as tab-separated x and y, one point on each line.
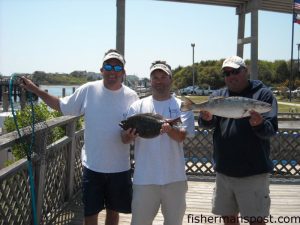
106	190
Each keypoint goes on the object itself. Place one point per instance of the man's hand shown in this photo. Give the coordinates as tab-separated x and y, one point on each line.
205	115
50	100
165	128
28	85
174	133
255	118
129	135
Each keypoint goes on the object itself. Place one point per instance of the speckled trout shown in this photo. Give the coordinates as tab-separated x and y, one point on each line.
229	107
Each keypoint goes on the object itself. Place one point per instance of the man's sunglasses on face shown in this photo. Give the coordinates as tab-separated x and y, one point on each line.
108	67
227	73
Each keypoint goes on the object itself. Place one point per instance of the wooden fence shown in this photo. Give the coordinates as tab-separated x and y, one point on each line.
57	170
285	154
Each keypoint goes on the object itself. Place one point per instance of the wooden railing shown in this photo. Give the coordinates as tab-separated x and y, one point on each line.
57	170
57	173
285	154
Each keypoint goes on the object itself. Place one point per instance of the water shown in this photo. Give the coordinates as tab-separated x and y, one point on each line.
56	90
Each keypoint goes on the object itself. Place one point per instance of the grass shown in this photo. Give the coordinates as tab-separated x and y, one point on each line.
281	107
288	109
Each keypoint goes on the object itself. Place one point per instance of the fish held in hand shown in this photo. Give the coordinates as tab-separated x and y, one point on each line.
228	107
147	125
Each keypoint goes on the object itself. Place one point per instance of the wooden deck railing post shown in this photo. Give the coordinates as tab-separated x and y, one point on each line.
5	103
22	98
70	132
40	171
63	92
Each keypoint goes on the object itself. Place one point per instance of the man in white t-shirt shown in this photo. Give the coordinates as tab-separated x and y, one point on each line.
106	164
159	175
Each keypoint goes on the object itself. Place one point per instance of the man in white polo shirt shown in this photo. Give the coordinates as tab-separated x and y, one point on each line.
159	175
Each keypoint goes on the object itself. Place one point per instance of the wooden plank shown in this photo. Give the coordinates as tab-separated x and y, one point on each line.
6	140
285	203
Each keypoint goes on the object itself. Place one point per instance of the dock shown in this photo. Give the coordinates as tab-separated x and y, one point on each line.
285	206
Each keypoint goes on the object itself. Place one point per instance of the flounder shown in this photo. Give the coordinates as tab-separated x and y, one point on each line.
147	125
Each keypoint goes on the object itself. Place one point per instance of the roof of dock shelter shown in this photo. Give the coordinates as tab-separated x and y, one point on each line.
283	6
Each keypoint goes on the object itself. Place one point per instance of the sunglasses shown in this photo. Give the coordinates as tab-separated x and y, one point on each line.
233	71
108	67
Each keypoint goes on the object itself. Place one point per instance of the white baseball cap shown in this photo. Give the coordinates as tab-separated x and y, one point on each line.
160	66
114	55
234	62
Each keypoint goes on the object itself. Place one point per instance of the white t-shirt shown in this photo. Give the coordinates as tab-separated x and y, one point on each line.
160	160
103	109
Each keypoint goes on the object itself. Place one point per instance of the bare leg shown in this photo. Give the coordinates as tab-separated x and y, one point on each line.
91	220
112	217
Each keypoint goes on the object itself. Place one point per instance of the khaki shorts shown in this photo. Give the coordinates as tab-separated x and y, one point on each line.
248	196
147	199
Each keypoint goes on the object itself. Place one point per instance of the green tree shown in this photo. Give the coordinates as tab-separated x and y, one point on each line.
24	119
281	71
265	72
183	78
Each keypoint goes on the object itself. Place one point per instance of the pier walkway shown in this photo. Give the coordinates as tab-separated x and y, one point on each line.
285	206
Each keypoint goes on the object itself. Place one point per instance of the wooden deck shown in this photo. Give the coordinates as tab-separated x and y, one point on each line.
285	206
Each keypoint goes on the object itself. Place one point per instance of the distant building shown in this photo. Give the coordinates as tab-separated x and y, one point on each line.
89	75
93	75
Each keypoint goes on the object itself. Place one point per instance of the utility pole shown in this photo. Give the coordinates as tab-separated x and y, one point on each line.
298	57
193	46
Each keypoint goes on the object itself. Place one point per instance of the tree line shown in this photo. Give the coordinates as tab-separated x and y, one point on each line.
208	73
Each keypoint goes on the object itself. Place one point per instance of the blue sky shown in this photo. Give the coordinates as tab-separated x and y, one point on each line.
67	35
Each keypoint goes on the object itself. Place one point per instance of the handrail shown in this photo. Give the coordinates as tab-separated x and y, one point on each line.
55	167
8	139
